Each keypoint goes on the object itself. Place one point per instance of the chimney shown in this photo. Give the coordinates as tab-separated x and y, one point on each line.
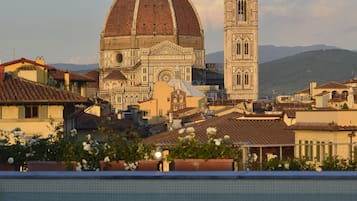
313	86
1	75
40	60
67	80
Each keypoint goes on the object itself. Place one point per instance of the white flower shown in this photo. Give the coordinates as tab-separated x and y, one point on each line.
85	164
318	169
182	131
87	147
10	160
73	132
190	130
211	131
78	167
271	157
218	141
226	137
89	137
130	166
106	159
28	155
255	157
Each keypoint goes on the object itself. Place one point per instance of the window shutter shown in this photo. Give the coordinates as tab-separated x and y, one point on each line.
43	112
21	112
0	112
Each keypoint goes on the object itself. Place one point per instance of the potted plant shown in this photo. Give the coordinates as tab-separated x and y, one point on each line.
216	154
124	151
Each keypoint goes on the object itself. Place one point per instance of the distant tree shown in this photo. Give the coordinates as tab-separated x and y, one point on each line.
344	107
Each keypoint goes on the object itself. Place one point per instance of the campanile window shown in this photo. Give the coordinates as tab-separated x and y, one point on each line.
238	49
246	48
242	10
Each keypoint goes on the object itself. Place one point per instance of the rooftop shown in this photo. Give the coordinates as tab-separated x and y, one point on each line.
18	90
262	131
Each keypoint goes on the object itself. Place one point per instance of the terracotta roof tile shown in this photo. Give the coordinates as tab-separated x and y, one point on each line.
352	81
322	127
24	60
94	74
332	85
115	75
187	21
59	75
304	91
262	132
18	90
153	17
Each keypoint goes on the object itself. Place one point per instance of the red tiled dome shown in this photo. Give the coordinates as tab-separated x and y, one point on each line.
152	17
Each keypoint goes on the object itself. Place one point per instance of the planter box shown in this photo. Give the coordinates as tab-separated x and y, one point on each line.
143	165
203	165
8	167
51	166
148	165
112	166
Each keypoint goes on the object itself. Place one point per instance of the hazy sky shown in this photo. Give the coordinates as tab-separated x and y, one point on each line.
68	30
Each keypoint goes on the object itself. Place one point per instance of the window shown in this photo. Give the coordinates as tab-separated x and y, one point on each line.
246	79
144	70
242	10
309	150
31	111
300	149
144	78
323	151
119	57
246	48
238	49
239	79
318	151
330	149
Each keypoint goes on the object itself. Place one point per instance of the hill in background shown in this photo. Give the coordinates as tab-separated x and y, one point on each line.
294	73
78	68
270	52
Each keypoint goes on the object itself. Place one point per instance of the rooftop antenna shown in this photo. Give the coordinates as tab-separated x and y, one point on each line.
353	74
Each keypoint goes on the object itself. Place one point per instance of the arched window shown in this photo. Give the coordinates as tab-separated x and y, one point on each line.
242	10
246	48
238	48
239	79
246	78
334	94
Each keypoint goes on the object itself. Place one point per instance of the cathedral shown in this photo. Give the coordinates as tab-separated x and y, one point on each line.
145	41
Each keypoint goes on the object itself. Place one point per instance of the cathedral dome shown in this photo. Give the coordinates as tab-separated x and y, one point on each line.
144	23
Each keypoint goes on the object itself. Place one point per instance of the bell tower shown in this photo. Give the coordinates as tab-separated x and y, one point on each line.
241	49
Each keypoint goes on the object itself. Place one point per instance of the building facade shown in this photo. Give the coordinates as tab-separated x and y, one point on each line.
144	41
324	134
38	71
241	49
36	108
